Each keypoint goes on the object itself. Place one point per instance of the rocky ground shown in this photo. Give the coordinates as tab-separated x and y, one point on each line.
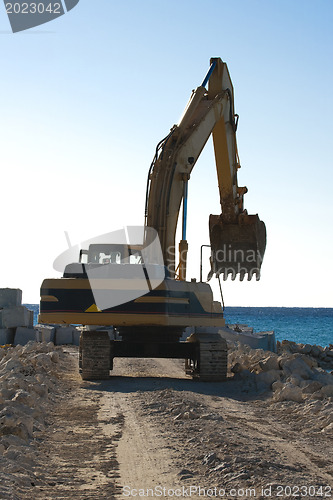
150	431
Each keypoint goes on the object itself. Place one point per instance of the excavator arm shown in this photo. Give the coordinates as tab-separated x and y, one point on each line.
238	240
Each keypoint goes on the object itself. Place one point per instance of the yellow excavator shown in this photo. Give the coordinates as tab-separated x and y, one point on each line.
134	285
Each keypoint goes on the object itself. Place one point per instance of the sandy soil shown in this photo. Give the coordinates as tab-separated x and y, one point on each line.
150	431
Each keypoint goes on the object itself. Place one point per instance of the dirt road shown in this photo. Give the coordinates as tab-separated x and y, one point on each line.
150	431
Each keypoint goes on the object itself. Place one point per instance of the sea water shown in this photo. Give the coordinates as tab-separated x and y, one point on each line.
304	325
299	324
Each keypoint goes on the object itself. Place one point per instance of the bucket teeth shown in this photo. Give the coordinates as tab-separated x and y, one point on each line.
241	275
233	274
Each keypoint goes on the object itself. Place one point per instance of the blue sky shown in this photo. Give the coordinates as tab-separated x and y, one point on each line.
86	98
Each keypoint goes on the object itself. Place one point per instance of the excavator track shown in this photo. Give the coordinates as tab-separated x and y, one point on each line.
209	363
94	355
212	363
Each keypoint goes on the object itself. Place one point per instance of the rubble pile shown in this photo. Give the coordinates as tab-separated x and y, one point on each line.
296	373
323	355
28	383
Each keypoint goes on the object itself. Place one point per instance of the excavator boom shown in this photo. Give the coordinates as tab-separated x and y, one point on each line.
238	240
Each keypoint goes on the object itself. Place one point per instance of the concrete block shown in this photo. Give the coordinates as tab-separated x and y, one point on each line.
24	335
6	336
45	333
38	336
12	317
31	318
260	340
10	297
109	330
64	335
111	333
76	336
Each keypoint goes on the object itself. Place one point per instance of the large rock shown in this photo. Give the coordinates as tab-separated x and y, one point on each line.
277	386
289	346
295	365
269	363
290	393
328	360
10	297
295	380
269	377
316	351
322	376
309	387
311	362
327	391
12	422
306	349
237	368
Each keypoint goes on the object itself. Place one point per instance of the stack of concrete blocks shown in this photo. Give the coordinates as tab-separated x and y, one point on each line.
66	334
16	321
58	334
17	324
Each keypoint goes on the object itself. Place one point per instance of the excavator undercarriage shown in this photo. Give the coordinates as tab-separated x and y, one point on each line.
205	354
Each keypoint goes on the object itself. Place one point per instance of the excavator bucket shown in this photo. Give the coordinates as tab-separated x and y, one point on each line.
237	248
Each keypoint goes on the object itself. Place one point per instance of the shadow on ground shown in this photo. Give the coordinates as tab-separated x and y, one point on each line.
130	384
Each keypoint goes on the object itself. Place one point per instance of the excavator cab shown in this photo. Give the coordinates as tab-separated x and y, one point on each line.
237	248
